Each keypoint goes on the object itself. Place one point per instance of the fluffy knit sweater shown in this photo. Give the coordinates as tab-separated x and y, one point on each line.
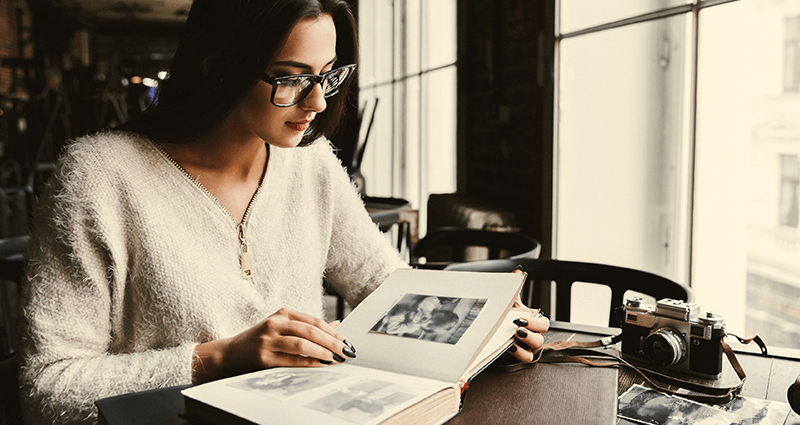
133	263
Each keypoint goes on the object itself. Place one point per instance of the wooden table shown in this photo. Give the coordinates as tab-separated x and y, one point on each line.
767	378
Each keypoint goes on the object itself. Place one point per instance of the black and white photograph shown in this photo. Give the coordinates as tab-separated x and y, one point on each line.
285	384
430	318
752	411
363	402
645	406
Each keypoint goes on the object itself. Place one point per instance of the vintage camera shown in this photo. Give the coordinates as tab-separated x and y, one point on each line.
672	335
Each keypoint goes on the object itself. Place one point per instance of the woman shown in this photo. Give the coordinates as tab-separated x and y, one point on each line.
191	245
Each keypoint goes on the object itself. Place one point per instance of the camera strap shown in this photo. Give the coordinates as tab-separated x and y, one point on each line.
586	353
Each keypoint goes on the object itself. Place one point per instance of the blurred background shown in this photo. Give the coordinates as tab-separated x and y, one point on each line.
661	135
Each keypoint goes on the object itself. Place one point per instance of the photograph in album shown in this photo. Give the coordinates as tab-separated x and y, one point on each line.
286	383
430	318
364	401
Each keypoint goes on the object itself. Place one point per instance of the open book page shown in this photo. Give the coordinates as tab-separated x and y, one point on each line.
498	343
430	323
341	394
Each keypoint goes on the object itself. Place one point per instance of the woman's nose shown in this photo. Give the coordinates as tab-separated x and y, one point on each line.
315	101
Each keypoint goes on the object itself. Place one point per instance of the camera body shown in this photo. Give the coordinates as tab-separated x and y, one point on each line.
672	335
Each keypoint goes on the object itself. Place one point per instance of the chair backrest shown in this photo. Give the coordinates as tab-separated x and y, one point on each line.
10	407
12	269
566	273
447	245
12	257
365	126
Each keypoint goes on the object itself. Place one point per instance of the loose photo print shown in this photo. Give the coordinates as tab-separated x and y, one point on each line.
363	402
430	318
751	411
645	406
285	384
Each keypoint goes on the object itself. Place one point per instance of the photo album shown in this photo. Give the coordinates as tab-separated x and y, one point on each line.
421	336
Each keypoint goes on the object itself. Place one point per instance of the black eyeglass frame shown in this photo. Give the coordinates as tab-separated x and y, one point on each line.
315	79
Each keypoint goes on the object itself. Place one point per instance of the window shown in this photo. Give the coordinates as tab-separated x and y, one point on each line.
790	184
677	145
792	61
408	63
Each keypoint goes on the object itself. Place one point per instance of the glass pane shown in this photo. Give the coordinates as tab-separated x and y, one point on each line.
412	127
377	163
792	59
366	44
746	246
414	36
620	160
384	40
440	33
582	14
440	124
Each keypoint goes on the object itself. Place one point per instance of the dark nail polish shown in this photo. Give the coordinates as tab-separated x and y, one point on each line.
519	268
512	349
522	345
326	362
521	333
338	358
348	352
349	345
520	322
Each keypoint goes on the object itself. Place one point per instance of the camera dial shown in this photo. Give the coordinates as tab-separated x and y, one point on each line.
665	347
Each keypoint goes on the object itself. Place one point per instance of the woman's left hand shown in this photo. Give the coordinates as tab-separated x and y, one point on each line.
529	337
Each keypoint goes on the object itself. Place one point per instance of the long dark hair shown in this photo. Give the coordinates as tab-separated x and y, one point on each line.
225	45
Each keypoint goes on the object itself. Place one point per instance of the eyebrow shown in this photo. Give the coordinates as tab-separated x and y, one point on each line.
294	64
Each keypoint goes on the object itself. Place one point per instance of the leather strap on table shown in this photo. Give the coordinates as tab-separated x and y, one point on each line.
584	353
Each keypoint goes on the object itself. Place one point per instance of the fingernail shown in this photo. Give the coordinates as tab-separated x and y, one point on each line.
522	345
326	362
338	358
348	352
521	333
518	268
540	314
349	345
512	349
520	322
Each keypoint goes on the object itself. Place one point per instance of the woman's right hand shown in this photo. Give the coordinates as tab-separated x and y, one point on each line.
286	338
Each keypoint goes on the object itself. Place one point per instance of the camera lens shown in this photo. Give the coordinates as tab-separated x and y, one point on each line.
665	347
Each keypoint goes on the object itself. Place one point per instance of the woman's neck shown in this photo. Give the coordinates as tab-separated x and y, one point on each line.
230	168
223	154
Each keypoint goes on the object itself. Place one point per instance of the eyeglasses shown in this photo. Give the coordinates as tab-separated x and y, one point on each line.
292	89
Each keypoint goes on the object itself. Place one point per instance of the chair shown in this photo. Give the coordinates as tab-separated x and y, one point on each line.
446	245
364	128
566	273
12	252
10	407
12	264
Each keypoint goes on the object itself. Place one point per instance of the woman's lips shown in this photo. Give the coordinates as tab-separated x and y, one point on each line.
298	126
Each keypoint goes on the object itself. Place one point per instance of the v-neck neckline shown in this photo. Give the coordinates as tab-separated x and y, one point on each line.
196	182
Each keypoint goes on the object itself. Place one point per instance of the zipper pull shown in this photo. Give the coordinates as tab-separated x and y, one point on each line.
244	256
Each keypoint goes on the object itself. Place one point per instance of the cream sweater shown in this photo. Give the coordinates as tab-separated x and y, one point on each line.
133	263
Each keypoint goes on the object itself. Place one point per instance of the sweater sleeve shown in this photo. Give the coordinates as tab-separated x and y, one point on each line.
360	256
77	262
